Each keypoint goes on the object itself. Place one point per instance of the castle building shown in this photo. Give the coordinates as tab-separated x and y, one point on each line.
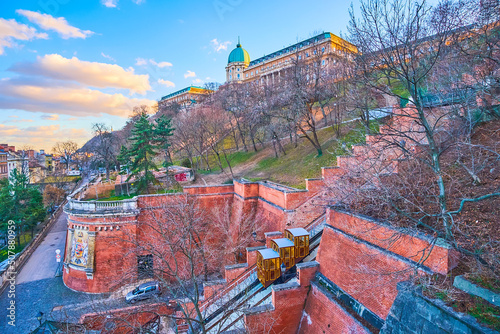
268	69
185	96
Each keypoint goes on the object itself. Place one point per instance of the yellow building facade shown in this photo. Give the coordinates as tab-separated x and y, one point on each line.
268	69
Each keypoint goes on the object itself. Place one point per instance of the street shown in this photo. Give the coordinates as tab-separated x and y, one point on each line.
42	264
38	290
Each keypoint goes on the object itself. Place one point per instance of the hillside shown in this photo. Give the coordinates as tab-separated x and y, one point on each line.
292	169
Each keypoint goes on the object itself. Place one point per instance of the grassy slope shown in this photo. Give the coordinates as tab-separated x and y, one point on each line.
299	163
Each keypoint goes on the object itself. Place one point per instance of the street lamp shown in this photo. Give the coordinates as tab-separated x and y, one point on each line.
39	317
283	269
254	236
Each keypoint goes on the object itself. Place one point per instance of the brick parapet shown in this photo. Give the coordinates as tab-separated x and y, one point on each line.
366	272
433	253
283	315
323	314
233	271
306	272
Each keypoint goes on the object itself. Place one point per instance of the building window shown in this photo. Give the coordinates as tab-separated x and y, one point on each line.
238	70
323	62
323	49
229	71
251	73
307	54
246	75
238	75
230	77
300	57
256	71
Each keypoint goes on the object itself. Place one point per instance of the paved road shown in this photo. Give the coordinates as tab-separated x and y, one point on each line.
42	263
37	288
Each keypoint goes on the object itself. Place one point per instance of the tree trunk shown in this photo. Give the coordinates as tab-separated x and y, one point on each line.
228	163
253	140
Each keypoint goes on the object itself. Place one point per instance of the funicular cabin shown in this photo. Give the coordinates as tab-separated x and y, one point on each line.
300	238
286	250
268	266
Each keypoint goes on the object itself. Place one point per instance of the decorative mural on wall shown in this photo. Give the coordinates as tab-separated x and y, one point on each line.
80	249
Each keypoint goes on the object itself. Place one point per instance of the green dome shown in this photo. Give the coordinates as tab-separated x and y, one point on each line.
238	55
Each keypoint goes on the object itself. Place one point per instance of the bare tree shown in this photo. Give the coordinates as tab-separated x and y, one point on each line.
183	253
406	173
66	150
105	147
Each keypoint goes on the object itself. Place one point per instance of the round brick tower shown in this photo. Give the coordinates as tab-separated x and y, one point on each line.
100	235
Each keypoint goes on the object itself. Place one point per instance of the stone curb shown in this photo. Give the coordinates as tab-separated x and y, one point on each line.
461	283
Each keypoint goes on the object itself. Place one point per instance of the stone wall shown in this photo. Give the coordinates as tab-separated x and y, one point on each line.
435	254
367	273
284	314
323	314
413	313
120	225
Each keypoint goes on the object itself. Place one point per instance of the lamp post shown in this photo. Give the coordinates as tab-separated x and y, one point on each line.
283	269
39	317
254	236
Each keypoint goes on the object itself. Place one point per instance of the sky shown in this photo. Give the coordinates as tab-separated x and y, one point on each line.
66	64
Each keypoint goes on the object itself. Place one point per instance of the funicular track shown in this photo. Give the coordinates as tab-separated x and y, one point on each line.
246	296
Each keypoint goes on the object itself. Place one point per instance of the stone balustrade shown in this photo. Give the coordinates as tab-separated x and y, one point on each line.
123	206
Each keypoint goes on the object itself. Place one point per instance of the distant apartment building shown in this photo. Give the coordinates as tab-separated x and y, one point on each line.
7	148
4	169
268	69
17	160
183	97
37	171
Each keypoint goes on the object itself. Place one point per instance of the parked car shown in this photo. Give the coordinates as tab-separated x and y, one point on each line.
143	291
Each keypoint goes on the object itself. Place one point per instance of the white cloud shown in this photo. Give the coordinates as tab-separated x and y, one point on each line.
41	136
140	62
85	72
144	62
110	3
189	74
11	30
52	117
108	57
16	119
60	25
161	64
218	46
166	83
65	99
197	81
138	2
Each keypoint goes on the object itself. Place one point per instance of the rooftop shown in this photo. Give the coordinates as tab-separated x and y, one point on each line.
298	231
268	253
283	242
291	48
184	90
238	55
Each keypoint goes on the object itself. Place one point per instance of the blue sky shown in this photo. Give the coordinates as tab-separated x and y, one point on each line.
65	64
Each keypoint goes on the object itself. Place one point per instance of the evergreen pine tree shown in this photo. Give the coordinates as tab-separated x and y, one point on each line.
142	152
163	130
21	203
124	156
